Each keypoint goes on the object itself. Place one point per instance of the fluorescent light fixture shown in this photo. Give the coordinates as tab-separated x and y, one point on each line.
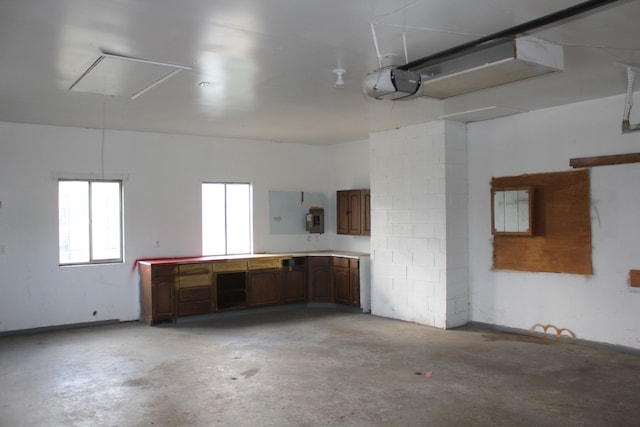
481	114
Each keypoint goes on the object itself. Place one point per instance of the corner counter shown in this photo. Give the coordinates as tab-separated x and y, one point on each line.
171	288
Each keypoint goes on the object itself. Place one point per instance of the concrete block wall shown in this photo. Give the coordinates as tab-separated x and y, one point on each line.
410	199
457	224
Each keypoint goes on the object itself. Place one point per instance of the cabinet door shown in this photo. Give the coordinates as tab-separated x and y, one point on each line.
355	212
264	287
294	284
342	285
354	282
320	288
162	285
342	220
366	212
163	299
194	300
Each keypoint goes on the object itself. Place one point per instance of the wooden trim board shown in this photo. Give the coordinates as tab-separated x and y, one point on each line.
616	159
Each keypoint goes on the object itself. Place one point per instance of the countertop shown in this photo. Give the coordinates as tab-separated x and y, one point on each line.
223	258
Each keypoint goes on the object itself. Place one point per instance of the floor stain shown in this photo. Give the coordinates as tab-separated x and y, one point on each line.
251	372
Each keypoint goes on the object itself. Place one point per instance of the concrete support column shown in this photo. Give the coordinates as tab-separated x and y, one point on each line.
419	224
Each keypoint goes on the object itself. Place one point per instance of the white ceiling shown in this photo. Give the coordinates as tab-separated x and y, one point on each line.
270	62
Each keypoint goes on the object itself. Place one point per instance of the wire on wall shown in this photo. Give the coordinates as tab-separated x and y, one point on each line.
627	127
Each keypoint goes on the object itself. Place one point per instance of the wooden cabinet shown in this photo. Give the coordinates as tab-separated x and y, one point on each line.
346	277
171	289
263	281
264	287
294	280
192	301
194	289
366	212
231	290
156	293
319	279
341	280
230	284
353	212
354	282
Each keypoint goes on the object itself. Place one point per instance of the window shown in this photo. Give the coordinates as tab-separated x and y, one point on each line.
89	221
226	218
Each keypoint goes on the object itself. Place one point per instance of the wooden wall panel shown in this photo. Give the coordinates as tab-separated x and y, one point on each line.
634	278
561	241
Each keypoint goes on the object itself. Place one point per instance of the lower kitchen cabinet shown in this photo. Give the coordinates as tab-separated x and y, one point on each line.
264	287
194	289
171	289
231	290
320	280
354	281
294	280
193	301
156	293
346	278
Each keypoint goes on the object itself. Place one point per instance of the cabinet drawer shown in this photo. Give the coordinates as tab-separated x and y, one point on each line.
195	294
195	269
341	262
164	271
193	275
230	266
260	264
193	308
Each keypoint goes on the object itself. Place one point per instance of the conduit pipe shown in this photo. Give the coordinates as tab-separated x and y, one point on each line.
627	127
501	36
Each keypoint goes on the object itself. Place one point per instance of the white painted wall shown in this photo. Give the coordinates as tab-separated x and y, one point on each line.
419	216
348	170
161	203
601	307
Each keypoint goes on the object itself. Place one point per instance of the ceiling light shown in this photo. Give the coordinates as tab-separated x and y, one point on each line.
204	84
339	84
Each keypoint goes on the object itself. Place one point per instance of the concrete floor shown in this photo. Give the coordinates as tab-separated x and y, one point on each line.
309	367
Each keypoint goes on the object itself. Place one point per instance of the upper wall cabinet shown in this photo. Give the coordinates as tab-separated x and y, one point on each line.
354	212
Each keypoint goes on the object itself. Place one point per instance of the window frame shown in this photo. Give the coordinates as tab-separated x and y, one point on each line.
92	261
249	186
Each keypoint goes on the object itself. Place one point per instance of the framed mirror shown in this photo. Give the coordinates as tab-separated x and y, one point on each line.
512	211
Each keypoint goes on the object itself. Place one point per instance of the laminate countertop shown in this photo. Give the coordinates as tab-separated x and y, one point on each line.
223	258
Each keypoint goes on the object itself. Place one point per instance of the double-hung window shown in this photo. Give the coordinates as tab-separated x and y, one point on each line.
90	221
227	212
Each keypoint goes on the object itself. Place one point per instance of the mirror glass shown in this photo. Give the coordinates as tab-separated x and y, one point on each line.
512	210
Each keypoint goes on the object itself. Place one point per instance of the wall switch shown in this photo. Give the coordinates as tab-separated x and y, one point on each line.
157	243
1	249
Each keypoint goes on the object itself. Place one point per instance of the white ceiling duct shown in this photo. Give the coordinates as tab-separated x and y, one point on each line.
489	61
507	62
